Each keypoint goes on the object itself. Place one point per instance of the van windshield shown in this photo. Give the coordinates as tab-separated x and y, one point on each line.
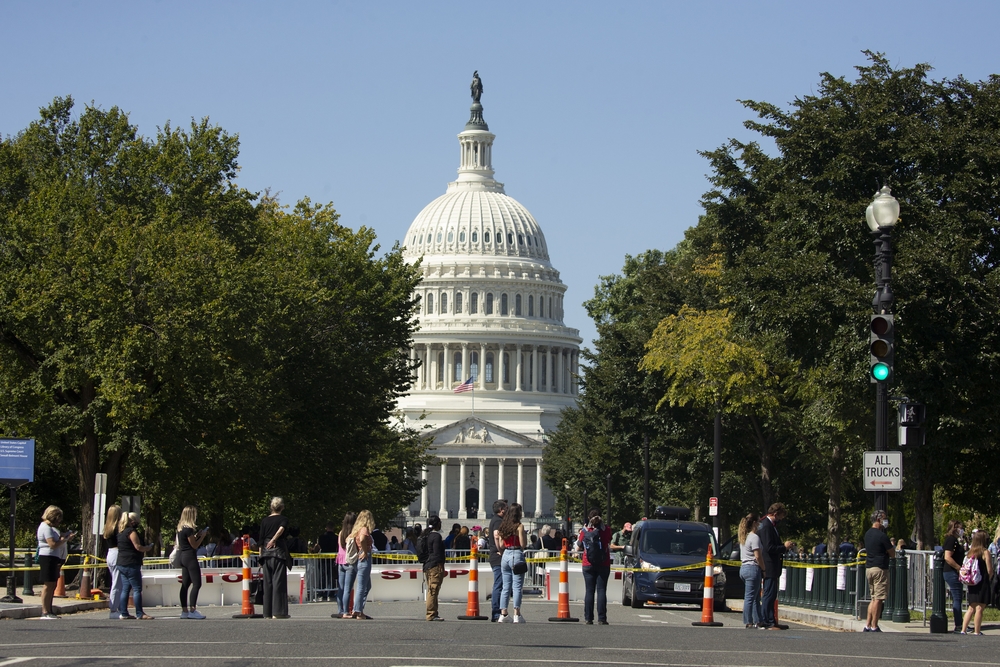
672	542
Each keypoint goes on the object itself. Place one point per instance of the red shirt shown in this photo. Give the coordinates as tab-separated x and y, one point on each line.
605	535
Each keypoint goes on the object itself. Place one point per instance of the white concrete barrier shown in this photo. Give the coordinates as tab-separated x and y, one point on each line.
218	586
577	587
397	584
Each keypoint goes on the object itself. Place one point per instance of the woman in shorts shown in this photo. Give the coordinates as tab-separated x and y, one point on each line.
51	555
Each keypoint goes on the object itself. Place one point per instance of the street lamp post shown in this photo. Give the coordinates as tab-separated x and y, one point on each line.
882	215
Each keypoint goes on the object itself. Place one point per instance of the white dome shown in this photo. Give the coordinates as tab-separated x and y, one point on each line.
469	220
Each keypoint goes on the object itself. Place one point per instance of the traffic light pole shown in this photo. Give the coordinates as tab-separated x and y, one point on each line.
882	304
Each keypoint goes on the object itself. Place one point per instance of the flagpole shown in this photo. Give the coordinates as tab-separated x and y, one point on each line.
473	399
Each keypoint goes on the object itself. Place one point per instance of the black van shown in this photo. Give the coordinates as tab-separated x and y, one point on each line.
657	544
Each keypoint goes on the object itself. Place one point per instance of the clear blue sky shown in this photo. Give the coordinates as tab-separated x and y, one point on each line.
599	107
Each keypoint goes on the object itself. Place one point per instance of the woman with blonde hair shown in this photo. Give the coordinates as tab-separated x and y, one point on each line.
189	539
979	593
751	570
274	559
51	555
110	535
130	551
360	540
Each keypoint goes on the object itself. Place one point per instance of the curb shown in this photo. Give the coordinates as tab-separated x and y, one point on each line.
35	611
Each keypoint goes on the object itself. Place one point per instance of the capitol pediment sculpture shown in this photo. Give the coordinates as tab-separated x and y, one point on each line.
472	434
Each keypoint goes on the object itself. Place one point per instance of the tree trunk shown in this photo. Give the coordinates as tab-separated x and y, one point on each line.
87	456
923	504
766	451
835	471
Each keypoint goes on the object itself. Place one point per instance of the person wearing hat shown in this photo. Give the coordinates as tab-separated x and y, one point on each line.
620	539
434	567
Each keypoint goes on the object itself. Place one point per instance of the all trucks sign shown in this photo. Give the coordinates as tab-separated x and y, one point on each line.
883	471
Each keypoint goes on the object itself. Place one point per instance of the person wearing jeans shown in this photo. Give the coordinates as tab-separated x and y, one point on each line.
499	507
362	536
773	550
346	572
596	574
130	551
512	536
751	571
954	555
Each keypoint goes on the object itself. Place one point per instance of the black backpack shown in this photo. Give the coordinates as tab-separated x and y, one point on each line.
593	547
422	553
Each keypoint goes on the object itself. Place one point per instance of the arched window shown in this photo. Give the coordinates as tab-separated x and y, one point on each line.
458	303
503	305
474	366
440	372
487	238
489	304
430	237
475	237
529	240
489	367
461	236
451	236
517	305
499	237
531	306
506	368
510	239
474	303
439	237
457	359
444	303
430	303
520	240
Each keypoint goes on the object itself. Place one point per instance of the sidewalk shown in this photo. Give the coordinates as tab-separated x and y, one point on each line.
836	622
31	607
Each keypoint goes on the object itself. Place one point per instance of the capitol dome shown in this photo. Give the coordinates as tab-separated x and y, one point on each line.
495	364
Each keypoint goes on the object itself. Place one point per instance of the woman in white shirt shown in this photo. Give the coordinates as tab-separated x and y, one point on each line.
751	570
51	555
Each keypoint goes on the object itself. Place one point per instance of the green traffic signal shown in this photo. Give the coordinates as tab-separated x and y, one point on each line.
880	371
881	347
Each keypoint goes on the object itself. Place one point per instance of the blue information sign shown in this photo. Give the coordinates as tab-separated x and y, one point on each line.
17	461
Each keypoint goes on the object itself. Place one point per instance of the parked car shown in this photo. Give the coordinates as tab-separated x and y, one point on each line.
658	544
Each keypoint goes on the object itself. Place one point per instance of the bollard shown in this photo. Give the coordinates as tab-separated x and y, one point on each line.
839	576
800	583
472	606
28	588
247	609
890	604
824	582
708	595
851	594
562	615
902	613
831	582
939	621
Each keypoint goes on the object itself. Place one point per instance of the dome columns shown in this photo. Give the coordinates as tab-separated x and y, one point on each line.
497	366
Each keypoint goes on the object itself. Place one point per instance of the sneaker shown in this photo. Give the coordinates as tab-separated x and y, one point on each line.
867	629
519	619
880	630
48	617
602	622
962	632
436	618
194	613
504	618
126	617
588	622
185	614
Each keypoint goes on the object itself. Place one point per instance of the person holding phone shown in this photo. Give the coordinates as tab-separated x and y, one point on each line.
130	552
51	555
189	539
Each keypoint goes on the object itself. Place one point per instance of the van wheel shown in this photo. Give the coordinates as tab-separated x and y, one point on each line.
635	601
626	600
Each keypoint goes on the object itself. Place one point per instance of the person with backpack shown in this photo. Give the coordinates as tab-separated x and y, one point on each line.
977	568
430	552
512	539
878	546
595	539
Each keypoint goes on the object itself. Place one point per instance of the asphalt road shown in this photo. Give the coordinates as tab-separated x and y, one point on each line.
397	636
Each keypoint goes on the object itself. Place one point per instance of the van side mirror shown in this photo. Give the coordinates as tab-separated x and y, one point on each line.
628	549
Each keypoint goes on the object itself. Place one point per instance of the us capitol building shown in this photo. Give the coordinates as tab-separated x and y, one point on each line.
491	308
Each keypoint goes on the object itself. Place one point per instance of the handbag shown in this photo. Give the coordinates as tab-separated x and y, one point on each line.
521	566
175	556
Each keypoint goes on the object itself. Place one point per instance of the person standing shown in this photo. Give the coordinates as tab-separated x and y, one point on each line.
110	535
512	538
596	540
620	540
979	593
751	571
51	555
878	548
362	536
189	539
499	507
433	566
347	570
462	541
130	552
954	553
273	555
773	551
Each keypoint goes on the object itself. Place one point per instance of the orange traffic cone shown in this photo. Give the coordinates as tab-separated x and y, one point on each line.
472	607
247	610
708	597
563	613
60	586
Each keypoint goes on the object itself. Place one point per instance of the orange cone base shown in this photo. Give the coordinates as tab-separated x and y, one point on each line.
248	615
708	624
556	619
473	618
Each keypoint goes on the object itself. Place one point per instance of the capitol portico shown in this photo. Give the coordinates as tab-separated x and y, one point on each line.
491	309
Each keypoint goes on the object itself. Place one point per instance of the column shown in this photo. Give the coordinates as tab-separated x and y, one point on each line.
534	368
423	491
448	371
538	488
466	372
461	489
482	383
500	492
482	489
428	378
500	367
517	375
443	511
520	482
433	369
415	378
557	386
550	375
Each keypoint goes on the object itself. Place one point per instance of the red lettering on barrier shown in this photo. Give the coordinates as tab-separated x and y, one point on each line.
391	574
454	574
232	577
618	576
413	574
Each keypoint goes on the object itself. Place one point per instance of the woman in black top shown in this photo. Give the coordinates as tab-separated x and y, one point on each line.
954	554
130	552
273	552
189	538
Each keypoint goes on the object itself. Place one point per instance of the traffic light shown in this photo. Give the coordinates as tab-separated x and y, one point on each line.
881	348
910	424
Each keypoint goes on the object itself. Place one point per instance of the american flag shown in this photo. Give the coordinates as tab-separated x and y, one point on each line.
465	386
